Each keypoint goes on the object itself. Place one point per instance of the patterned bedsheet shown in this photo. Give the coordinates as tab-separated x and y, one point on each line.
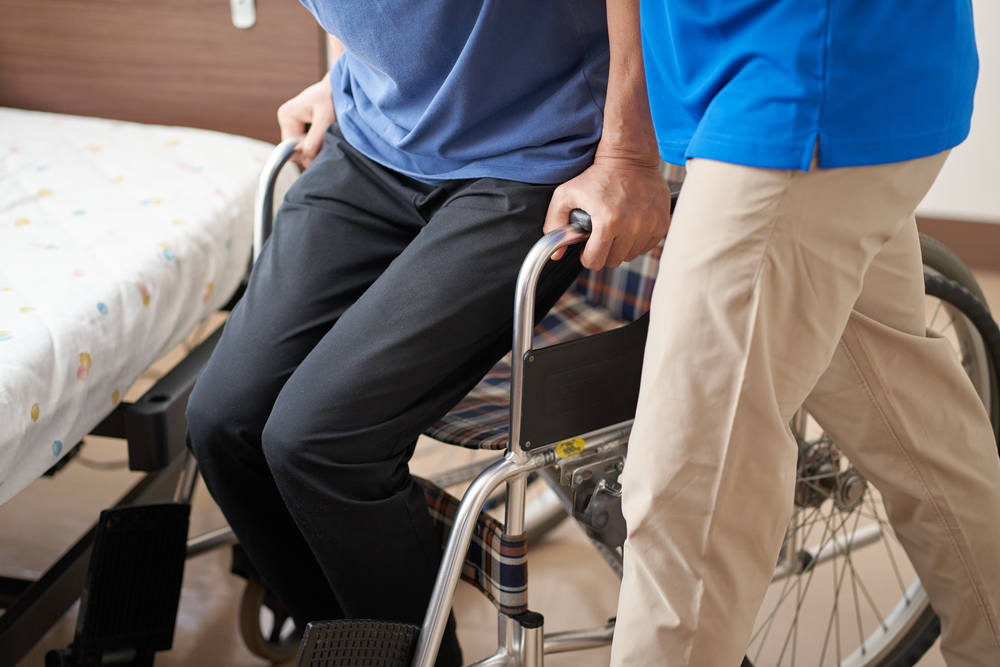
116	239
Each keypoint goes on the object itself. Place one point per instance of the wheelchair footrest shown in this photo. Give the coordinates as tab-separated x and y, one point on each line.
133	587
357	644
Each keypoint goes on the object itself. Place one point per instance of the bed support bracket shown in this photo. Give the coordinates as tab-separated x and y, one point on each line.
155	425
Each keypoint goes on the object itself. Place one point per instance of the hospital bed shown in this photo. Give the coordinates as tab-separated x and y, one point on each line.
116	240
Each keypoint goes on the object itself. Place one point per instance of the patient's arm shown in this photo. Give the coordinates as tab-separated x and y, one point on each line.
313	106
623	191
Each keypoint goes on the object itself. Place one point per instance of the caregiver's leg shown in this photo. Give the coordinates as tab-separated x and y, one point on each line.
341	225
344	425
758	278
899	404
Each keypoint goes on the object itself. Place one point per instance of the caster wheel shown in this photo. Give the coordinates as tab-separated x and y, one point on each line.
267	628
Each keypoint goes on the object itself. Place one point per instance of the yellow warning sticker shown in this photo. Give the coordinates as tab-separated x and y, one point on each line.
568	448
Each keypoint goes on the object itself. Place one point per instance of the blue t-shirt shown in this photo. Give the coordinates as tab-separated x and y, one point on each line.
450	89
758	82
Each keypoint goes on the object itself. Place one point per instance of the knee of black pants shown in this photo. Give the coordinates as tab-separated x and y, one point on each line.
217	421
308	447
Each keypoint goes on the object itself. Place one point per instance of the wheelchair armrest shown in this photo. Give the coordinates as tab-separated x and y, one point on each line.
524	310
583	385
524	305
264	201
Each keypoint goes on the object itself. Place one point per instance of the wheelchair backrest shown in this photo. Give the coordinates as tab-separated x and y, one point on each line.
624	291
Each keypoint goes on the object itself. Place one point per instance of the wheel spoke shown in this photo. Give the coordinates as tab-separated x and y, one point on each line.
839	657
279	623
857	611
886	530
864	591
808	522
937	309
785	592
769	622
835	613
825	490
795	636
812	571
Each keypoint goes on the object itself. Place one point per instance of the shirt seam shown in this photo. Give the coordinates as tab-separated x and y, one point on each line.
825	75
908	137
717	138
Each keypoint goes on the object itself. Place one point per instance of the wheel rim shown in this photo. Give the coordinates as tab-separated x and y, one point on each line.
831	601
267	629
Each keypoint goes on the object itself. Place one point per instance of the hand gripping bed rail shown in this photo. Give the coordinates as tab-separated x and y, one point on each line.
263	218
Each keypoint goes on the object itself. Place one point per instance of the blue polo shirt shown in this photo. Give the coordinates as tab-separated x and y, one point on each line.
451	89
759	82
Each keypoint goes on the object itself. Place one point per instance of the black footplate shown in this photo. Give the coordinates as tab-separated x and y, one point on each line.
357	644
133	587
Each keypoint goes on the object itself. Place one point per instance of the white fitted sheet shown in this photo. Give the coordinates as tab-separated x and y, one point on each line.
116	239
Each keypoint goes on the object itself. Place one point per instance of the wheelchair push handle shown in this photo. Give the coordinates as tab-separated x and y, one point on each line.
264	196
581	220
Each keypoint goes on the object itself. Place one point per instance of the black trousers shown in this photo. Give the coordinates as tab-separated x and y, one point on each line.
376	305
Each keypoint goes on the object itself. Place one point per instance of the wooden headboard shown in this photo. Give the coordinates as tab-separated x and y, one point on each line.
171	62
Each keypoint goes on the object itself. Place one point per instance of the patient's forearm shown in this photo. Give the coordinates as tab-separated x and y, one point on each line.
628	126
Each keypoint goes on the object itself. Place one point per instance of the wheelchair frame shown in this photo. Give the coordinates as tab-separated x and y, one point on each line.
521	639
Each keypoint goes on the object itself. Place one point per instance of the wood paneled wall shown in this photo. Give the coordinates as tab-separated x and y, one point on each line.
172	62
976	243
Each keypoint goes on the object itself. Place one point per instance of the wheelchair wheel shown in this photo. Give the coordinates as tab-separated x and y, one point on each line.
830	602
266	626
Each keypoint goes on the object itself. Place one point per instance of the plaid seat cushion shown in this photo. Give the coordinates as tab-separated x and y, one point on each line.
495	563
480	421
625	291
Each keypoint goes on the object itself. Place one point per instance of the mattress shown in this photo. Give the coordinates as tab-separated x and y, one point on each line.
116	239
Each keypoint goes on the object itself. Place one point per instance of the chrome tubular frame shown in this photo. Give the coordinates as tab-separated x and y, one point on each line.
817	555
188	480
512	469
451	563
263	210
578	640
216	539
519	647
524	319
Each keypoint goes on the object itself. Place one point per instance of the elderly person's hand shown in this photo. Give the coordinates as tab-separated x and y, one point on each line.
313	106
628	201
627	198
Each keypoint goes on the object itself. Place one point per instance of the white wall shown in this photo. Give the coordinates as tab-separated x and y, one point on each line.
969	185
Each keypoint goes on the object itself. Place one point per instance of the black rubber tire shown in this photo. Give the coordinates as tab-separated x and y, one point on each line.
951	281
255	596
943	261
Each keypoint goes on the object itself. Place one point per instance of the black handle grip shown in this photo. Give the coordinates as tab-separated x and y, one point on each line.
581	220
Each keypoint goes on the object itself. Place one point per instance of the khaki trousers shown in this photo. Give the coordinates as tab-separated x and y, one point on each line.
779	288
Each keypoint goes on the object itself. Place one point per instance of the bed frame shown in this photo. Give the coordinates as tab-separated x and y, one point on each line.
171	62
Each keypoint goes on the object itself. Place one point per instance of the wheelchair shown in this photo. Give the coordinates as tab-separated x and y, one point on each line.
560	406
